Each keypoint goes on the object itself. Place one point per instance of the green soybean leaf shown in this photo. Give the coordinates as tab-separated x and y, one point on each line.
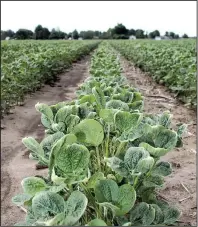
106	191
33	146
155	152
159	217
162	168
45	109
32	185
97	222
107	115
20	199
89	132
154	180
125	121
171	215
133	156
45	203
126	199
99	97
145	164
72	158
75	207
94	178
117	165
117	104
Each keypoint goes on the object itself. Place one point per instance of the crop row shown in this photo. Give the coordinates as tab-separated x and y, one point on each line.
25	66
172	63
103	156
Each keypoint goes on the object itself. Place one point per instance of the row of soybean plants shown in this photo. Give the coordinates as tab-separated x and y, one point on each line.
103	156
27	65
172	63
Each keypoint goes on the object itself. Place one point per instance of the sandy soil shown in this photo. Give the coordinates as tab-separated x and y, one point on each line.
15	164
180	187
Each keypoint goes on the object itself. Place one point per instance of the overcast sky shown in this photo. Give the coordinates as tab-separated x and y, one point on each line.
176	16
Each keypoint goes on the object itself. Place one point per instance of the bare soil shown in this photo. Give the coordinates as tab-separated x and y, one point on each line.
180	186
25	121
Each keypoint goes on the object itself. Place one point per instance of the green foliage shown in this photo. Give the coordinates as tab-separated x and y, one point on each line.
103	156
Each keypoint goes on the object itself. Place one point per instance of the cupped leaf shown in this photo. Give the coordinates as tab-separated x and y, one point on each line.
117	165
106	191
99	97
46	204
125	121
94	178
89	132
154	180
20	199
107	115
75	207
45	109
171	215
126	199
72	158
155	152
97	222
32	185
117	104
145	164
162	168
33	146
159	216
133	156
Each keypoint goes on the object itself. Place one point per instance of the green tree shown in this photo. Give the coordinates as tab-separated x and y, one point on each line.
139	33
185	36
120	29
132	32
75	34
24	34
38	32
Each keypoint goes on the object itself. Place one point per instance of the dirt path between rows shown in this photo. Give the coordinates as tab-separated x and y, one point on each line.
15	164
180	187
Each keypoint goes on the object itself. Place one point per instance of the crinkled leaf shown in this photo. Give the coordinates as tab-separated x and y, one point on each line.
72	158
126	199
46	203
155	152
75	207
99	96
32	185
159	217
108	115
154	180
45	109
133	156
106	191
89	132
171	215
117	104
33	145
117	165
162	168
20	199
145	164
125	121
94	178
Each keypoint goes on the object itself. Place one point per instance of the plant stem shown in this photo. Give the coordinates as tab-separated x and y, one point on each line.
98	158
120	147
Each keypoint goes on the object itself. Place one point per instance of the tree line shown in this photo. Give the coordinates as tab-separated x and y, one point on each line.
118	32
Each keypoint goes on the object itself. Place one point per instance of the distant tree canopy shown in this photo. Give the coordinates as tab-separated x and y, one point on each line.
24	34
120	31
185	36
154	34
